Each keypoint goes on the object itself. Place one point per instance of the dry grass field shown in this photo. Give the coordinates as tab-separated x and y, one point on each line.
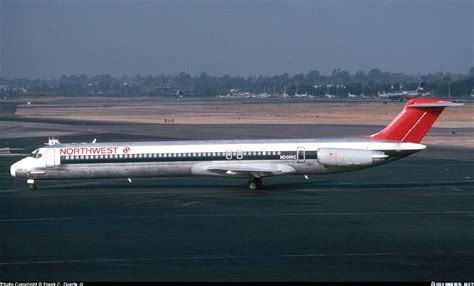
224	111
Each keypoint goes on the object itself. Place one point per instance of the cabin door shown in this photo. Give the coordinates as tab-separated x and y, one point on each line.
300	155
49	157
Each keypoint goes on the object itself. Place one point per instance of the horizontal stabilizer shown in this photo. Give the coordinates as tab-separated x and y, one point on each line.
437	104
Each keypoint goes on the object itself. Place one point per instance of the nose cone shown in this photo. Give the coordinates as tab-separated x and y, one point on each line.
13	170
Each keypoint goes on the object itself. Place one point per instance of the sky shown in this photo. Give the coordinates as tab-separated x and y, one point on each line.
47	39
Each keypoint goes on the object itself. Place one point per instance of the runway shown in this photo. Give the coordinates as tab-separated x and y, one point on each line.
409	220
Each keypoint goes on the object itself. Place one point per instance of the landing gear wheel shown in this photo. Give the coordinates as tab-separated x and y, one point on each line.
31	184
254	184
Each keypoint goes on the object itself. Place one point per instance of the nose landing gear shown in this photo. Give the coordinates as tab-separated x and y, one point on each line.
254	184
31	184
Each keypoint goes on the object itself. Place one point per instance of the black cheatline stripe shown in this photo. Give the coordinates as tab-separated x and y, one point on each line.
309	155
396	154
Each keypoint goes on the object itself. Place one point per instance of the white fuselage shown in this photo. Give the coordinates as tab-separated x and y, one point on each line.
231	158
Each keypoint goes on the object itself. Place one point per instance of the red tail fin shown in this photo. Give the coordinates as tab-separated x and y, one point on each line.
415	120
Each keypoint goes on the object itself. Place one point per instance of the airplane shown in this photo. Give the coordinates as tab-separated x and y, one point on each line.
180	93
6	152
8	149
350	95
405	94
302	95
251	159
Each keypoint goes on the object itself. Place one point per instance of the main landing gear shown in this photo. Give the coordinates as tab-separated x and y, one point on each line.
31	184
254	184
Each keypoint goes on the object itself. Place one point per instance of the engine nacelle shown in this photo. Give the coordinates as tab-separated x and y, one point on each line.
349	157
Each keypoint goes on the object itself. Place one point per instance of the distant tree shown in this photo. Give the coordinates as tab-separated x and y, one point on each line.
313	82
298	78
340	76
360	76
462	87
375	75
312	77
203	76
291	89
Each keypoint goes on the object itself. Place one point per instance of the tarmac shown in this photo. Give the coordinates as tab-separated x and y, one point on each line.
410	220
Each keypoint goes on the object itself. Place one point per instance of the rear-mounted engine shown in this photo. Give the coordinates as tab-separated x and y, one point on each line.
349	157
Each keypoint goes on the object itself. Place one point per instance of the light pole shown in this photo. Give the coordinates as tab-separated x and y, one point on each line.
449	89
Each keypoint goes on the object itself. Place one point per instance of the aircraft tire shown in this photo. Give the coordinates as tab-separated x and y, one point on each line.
254	184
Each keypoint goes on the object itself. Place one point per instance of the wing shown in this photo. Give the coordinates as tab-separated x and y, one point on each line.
236	169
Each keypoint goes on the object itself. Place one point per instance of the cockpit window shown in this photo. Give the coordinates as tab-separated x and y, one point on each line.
35	154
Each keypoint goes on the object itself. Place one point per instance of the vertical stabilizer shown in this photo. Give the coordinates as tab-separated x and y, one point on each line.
412	124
